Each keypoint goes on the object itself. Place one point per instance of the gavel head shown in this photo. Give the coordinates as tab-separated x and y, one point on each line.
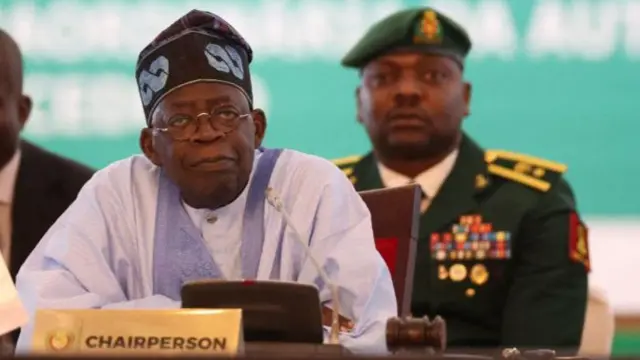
407	333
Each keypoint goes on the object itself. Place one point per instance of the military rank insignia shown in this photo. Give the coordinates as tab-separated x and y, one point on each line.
481	181
533	172
428	29
578	241
346	164
471	239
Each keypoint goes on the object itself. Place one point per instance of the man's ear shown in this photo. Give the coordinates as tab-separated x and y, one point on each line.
467	98
260	124
358	104
147	146
24	110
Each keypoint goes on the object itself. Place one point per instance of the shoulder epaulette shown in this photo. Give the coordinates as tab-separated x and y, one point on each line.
534	172
346	163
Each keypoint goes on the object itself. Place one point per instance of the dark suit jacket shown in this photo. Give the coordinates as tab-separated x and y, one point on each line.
528	289
46	185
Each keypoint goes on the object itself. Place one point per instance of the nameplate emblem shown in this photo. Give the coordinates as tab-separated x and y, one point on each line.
155	332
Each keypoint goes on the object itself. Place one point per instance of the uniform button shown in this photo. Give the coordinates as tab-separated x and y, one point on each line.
212	219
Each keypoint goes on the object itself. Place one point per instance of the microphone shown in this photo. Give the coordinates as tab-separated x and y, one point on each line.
277	204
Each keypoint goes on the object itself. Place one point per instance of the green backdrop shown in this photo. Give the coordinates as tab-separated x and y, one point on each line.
557	79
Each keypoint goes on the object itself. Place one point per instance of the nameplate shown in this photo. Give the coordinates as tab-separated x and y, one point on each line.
12	311
156	332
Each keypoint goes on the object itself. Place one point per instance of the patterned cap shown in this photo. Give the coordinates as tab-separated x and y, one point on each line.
199	20
198	47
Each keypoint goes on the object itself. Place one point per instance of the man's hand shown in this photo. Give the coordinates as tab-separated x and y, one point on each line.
346	325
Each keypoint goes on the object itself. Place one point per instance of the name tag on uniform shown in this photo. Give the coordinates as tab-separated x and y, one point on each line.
156	332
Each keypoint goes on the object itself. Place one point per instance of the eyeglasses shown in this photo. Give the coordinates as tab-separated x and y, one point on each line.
185	127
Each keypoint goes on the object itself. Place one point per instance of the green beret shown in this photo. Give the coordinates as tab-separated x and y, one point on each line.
418	29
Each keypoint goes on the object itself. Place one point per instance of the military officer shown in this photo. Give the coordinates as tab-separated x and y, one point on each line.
502	254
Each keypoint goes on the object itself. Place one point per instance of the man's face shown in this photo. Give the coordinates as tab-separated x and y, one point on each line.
211	167
14	112
412	105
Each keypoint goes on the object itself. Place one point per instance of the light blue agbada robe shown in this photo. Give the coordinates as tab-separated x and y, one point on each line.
128	241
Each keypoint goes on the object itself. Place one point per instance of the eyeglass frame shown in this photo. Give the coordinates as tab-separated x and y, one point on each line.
196	119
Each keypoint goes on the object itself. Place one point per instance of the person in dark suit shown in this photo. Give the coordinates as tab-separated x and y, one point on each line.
502	254
36	186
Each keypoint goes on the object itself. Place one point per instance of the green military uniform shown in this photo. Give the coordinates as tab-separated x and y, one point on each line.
502	254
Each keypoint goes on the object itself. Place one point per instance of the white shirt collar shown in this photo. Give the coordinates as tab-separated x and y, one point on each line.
198	216
429	180
8	176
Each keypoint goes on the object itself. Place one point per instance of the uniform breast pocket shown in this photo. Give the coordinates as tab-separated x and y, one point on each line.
471	290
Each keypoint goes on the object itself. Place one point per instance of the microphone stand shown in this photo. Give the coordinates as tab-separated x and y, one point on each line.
334	337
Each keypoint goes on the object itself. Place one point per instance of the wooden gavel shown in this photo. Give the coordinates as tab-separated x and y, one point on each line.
416	333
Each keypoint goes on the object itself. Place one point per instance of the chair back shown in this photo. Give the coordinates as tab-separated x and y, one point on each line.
395	214
599	325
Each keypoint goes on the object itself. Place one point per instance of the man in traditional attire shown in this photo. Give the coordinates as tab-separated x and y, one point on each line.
194	206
